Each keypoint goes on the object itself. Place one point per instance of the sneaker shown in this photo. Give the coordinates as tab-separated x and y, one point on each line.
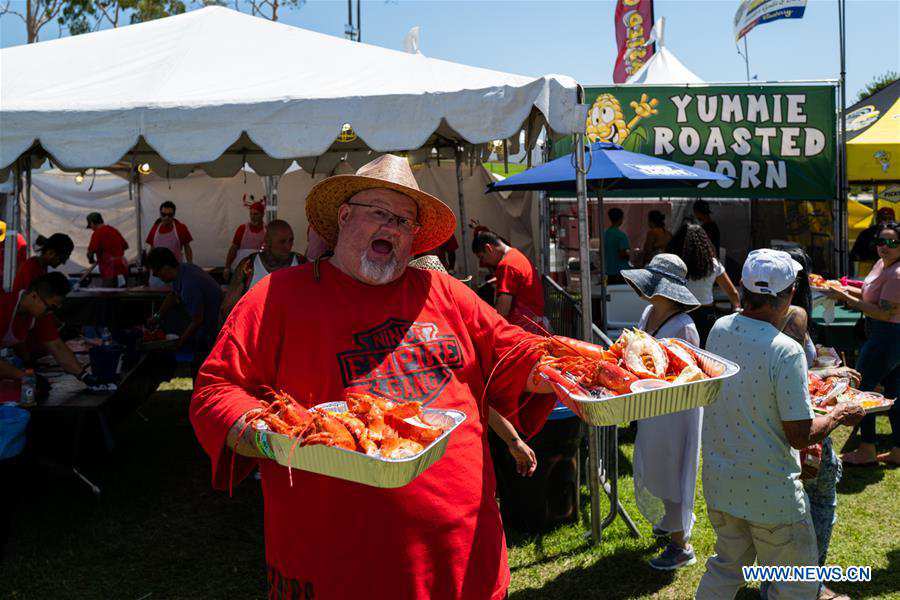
660	533
673	557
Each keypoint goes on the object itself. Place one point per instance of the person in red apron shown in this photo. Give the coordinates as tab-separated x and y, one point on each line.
107	247
519	292
248	237
26	312
362	321
169	232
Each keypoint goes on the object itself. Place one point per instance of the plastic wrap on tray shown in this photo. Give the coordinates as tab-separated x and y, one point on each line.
362	468
652	402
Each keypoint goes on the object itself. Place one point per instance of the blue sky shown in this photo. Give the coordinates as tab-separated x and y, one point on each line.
577	38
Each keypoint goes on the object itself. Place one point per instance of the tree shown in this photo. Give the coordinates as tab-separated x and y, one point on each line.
37	14
878	83
82	16
268	9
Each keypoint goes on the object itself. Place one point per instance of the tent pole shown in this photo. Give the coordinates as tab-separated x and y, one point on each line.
544	214
138	219
462	212
28	204
842	194
11	217
271	183
587	330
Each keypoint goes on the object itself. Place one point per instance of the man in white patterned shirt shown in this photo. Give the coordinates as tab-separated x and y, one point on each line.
752	435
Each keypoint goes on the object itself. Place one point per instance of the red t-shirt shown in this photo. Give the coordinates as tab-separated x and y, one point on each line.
239	232
107	240
424	337
45	328
21	324
184	235
21	250
517	277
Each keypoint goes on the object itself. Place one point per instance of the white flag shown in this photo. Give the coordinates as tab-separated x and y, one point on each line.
411	41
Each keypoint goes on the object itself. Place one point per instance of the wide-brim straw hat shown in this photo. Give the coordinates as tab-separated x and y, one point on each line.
665	276
385	172
430	262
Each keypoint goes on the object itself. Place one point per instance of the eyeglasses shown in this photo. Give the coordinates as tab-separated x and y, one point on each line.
892	244
383	216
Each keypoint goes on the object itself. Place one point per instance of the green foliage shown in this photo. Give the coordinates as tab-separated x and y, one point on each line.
878	83
83	16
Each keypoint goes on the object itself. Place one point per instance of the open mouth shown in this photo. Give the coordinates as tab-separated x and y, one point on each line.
382	247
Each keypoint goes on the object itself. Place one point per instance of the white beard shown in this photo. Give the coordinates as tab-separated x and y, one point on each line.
377	272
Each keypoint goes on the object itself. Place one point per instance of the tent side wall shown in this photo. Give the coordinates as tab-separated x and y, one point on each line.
212	208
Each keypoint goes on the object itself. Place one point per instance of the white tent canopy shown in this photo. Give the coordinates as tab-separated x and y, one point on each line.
213	88
663	67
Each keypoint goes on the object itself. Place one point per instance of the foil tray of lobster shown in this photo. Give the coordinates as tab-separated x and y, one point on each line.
385	462
638	377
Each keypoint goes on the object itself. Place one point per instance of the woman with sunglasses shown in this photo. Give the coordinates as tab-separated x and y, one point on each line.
53	252
879	358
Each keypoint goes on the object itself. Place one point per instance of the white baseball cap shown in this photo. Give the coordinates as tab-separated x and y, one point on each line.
768	271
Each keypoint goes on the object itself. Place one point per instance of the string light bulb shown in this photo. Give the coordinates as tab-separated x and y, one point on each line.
144	169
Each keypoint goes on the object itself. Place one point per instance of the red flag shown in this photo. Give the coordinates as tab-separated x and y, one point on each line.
633	22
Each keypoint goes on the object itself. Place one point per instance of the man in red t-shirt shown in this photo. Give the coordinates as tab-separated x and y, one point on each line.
107	247
248	237
169	232
22	313
362	321
519	291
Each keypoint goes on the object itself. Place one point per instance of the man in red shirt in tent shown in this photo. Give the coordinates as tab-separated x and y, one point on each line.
107	247
248	237
362	321
169	232
520	294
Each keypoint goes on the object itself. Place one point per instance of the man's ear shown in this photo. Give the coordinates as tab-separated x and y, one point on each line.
343	214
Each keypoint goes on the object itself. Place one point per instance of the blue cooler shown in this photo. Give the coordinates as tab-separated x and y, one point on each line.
13	423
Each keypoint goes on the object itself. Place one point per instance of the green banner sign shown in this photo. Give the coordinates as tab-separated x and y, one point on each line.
776	141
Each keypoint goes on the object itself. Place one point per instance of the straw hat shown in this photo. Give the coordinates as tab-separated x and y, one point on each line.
385	172
430	262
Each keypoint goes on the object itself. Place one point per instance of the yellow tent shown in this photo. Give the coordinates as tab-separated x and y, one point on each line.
873	130
860	216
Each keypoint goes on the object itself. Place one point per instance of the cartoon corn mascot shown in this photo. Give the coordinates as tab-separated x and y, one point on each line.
606	123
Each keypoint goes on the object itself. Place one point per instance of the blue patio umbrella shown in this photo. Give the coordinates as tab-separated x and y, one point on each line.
609	167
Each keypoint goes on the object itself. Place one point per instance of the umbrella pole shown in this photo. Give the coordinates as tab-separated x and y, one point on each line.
603	322
587	329
457	155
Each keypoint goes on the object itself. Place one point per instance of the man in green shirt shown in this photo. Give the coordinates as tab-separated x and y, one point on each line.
615	247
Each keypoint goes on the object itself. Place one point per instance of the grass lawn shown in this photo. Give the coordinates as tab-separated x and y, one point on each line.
158	530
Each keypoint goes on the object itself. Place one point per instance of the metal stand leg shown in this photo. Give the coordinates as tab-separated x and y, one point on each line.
603	472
